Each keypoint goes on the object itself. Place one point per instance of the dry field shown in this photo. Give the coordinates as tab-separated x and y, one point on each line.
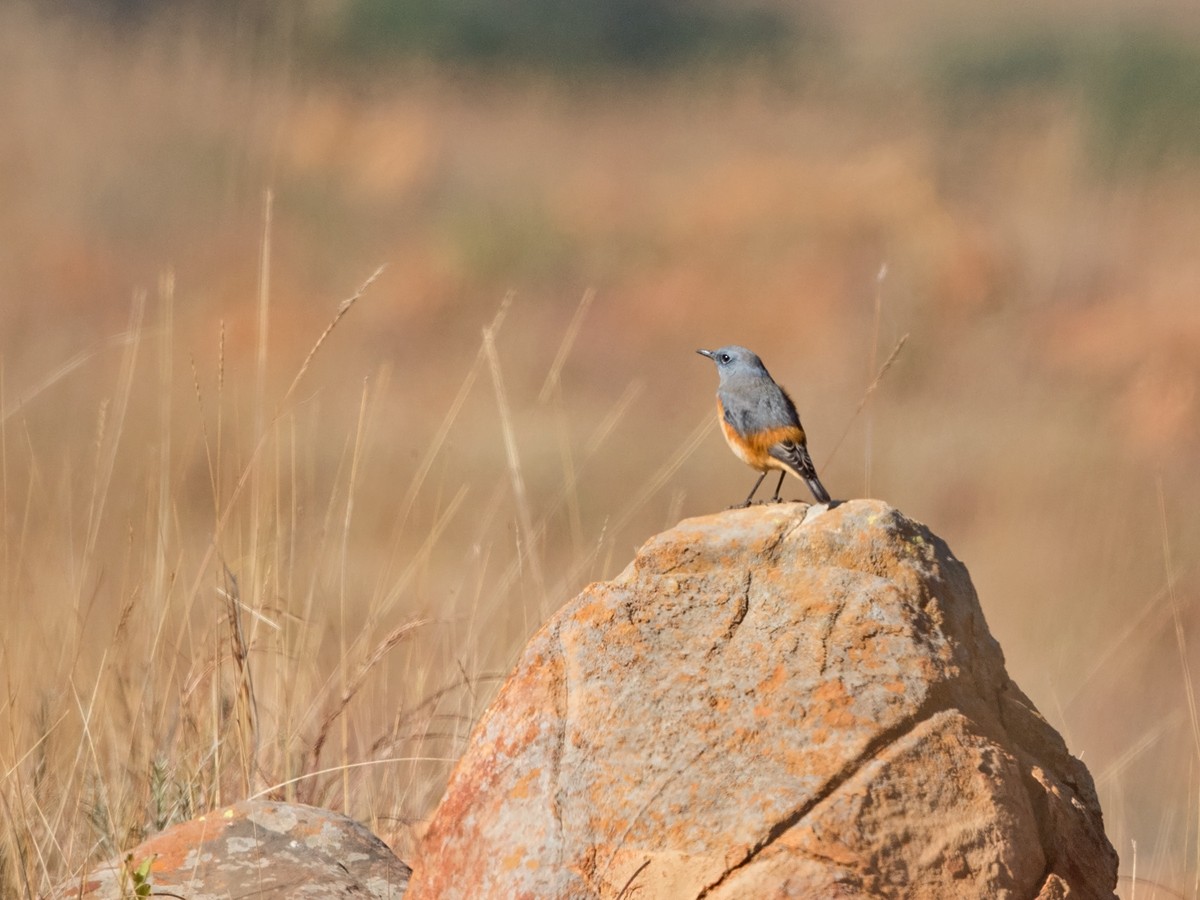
273	522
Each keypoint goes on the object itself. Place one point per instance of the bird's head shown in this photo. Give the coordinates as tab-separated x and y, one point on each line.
734	360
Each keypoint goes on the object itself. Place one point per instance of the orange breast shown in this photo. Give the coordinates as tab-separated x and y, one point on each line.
747	451
754	450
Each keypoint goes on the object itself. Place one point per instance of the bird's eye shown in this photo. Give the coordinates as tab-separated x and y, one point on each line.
725	357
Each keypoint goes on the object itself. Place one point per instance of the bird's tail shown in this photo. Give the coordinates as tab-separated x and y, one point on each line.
794	455
818	489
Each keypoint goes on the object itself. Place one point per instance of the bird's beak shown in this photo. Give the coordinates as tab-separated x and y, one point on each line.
708	353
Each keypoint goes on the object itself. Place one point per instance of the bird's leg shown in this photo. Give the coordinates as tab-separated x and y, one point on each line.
750	496
778	488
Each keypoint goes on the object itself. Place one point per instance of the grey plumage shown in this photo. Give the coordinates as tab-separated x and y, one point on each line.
753	402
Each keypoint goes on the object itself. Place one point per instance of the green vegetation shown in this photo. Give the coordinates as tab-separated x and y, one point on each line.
560	34
969	70
137	878
1143	98
547	35
1139	91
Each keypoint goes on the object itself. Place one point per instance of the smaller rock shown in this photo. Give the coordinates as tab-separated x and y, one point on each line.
256	849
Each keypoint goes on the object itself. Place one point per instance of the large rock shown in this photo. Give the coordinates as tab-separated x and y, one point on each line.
257	849
773	702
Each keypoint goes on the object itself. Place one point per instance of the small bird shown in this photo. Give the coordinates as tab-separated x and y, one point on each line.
760	421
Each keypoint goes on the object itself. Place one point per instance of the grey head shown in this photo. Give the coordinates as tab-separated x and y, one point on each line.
735	363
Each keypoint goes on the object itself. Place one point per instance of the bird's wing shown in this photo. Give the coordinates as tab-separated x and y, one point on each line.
794	454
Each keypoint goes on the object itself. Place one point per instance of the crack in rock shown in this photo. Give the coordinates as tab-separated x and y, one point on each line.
771	552
739	616
874	748
828	633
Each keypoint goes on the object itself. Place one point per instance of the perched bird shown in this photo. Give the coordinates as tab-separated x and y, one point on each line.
760	421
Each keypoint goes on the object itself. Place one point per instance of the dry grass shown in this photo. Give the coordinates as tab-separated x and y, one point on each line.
254	542
216	647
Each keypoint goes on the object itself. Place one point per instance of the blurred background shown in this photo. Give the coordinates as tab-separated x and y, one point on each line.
231	565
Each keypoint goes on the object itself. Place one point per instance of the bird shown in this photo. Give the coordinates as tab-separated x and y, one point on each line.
760	421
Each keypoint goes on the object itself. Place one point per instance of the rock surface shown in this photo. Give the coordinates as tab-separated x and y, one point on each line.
783	701
258	849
